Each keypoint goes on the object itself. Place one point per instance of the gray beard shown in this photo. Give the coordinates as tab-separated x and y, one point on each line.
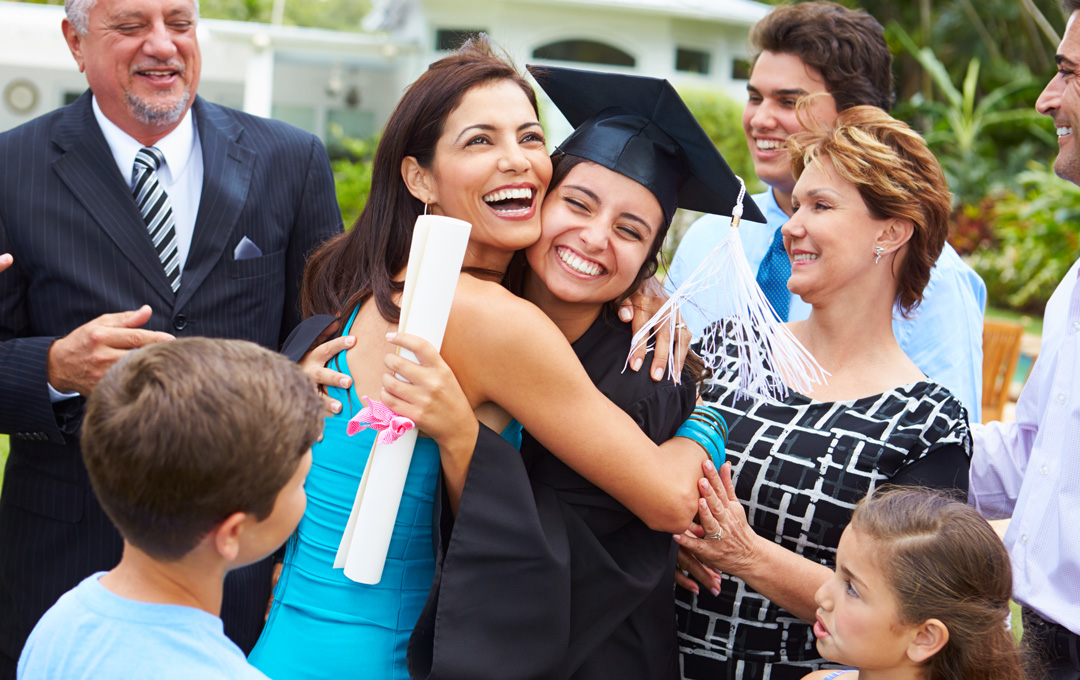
150	114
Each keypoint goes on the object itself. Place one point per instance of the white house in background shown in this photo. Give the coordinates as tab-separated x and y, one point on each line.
329	81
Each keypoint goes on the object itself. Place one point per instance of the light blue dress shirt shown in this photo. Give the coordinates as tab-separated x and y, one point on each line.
1030	469
943	338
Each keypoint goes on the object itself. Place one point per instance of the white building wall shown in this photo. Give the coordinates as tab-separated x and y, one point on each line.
379	67
521	26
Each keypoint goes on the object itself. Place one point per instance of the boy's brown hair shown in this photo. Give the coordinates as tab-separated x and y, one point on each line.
846	46
180	435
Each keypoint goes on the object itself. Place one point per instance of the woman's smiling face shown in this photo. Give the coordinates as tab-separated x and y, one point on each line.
830	238
491	169
598	228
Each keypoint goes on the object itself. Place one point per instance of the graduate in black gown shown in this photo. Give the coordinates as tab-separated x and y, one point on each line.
541	573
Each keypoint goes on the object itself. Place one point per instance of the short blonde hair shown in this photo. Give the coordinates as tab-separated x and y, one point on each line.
896	175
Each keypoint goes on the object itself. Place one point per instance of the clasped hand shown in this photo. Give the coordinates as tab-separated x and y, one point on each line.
702	555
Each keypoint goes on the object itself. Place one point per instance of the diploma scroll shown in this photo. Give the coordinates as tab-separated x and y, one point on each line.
435	259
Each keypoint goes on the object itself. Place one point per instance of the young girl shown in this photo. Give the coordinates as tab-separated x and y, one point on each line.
921	590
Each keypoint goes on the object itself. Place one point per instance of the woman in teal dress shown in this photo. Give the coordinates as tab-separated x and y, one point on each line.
464	141
313	601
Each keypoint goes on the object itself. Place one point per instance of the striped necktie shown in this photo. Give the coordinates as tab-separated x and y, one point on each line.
772	276
157	211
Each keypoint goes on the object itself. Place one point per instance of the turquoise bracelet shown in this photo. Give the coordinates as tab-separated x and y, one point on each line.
709	429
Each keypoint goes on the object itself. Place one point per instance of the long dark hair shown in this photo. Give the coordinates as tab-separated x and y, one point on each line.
364	260
944	561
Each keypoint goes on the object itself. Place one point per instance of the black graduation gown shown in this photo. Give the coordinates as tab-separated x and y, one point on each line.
544	575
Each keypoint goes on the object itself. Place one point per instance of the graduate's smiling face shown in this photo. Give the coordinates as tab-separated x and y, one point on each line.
598	228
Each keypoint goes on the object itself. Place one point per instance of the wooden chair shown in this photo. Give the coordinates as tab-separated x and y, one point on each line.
1001	353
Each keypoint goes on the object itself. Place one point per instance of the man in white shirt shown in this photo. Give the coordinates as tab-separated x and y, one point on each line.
138	213
840	58
1030	469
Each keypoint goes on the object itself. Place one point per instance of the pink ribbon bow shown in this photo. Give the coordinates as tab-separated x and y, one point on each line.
380	418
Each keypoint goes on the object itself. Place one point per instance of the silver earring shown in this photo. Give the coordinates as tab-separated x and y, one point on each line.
879	251
425	208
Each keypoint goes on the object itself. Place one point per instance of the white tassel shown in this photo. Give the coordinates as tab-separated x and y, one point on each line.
770	360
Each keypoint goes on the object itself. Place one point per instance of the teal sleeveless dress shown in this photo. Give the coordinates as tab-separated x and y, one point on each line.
321	624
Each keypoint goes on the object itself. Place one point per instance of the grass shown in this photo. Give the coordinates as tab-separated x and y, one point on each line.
1017	624
3	456
1033	325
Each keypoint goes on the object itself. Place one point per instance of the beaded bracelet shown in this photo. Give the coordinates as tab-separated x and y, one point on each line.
709	430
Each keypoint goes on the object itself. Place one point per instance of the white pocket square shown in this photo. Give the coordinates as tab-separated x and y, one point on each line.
246	250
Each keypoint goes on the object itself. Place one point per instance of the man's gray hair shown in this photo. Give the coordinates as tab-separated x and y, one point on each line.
78	13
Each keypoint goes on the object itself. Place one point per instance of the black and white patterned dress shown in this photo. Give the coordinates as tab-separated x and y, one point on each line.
799	468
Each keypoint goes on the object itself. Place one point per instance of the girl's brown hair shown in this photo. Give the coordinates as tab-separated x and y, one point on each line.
896	175
945	562
364	260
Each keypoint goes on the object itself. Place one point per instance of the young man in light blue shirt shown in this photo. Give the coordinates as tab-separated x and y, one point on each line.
853	67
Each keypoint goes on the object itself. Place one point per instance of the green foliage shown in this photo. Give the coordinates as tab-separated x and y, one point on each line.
721	118
1035	240
961	128
339	15
3	456
352	161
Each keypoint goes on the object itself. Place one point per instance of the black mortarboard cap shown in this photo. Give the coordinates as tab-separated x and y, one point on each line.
639	127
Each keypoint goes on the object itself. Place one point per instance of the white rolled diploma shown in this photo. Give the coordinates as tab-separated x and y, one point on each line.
435	259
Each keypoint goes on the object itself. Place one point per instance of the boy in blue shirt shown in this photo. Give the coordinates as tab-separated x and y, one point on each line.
198	450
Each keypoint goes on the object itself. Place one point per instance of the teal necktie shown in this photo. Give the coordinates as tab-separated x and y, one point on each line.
773	274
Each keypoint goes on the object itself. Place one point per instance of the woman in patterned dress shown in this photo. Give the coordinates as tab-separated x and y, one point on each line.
871	216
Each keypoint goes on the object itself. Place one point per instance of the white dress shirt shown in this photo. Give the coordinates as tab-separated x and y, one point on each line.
1030	469
943	338
181	176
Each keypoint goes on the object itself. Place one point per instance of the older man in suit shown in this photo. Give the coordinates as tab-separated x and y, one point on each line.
138	213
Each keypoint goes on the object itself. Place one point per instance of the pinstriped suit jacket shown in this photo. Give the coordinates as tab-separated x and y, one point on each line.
81	249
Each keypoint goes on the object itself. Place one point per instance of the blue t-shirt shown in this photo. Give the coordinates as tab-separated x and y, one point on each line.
943	338
92	632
